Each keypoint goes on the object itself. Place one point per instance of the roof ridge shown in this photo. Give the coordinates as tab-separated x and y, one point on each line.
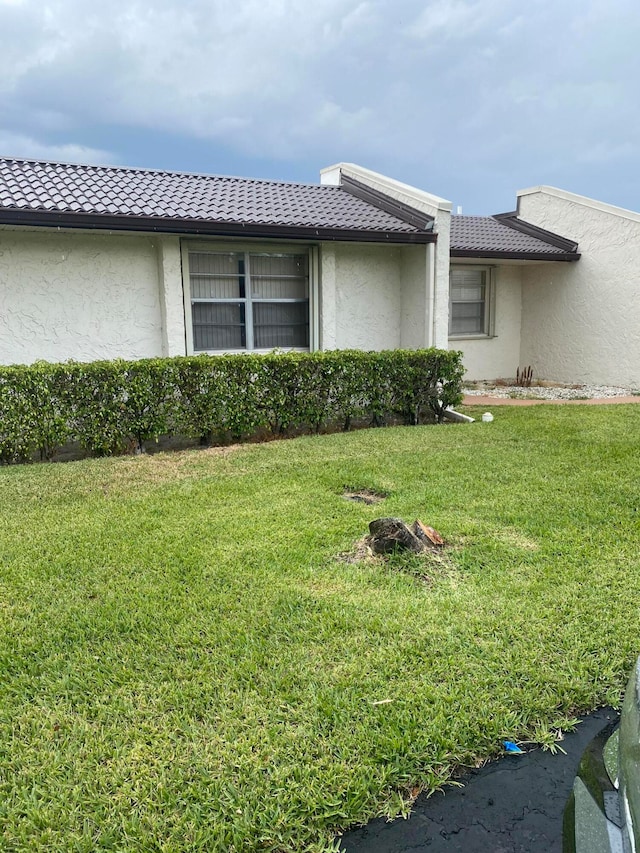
411	215
512	220
145	170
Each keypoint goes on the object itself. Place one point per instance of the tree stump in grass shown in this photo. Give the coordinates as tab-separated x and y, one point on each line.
392	534
427	535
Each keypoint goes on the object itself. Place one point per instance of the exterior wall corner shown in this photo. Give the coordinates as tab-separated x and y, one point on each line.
170	287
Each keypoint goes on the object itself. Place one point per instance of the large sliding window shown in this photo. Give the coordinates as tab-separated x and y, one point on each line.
469	302
249	300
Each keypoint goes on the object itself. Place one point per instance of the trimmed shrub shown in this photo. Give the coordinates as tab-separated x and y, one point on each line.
33	418
113	406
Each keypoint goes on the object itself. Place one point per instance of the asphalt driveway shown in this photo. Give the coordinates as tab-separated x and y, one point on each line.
513	805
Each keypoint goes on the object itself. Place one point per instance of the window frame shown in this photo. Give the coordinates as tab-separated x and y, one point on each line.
489	302
273	248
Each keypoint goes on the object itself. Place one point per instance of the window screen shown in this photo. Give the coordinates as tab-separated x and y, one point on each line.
468	302
242	300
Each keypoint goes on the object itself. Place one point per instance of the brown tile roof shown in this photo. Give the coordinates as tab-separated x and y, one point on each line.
507	236
43	193
106	196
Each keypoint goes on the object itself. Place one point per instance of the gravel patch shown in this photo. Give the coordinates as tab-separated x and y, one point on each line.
580	392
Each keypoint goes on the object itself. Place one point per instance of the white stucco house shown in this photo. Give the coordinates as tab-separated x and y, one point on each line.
109	262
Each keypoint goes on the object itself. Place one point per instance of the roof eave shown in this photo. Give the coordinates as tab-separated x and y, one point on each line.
108	222
514	256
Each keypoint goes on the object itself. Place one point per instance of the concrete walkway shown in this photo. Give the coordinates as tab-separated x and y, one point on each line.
487	402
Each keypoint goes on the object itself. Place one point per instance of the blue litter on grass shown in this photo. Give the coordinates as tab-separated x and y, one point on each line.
512	747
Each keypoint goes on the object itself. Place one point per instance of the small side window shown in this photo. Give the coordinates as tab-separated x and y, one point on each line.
469	302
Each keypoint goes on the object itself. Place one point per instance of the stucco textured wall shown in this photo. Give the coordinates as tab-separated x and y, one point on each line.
437	297
440	319
579	320
367	296
499	356
77	296
171	295
88	296
327	297
414	310
373	297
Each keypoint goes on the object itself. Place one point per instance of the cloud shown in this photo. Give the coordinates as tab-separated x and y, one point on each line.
13	144
250	73
435	92
454	19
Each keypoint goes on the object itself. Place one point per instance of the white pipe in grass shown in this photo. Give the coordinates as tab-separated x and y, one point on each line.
451	415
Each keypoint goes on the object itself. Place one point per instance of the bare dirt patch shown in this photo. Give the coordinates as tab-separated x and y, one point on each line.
362	552
365	496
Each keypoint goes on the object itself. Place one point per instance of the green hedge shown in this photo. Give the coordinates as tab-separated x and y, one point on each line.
112	406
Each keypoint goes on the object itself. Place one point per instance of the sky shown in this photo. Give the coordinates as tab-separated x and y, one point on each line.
468	99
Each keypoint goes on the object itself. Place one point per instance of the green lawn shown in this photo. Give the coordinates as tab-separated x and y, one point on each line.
185	666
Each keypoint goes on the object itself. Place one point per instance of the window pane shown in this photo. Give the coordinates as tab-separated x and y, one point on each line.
223	276
467	318
280	324
218	326
467	293
280	265
216	288
279	276
216	276
279	288
215	263
467	277
467	302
